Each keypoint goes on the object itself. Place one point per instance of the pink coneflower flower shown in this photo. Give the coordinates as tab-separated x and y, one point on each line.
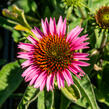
53	55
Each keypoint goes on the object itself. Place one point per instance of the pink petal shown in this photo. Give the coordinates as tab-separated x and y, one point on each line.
73	70
49	82
32	40
40	79
60	26
36	33
62	79
58	80
39	32
79	40
64	28
25	55
74	33
31	74
80	46
26	46
54	22
67	77
27	70
43	84
26	63
51	26
45	27
80	63
80	54
33	80
79	69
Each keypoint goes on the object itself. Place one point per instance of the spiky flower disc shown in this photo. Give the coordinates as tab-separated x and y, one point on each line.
53	55
102	17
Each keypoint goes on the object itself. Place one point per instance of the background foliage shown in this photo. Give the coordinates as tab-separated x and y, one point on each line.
17	18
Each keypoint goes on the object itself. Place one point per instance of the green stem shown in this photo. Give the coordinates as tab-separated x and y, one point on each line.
82	13
29	102
104	39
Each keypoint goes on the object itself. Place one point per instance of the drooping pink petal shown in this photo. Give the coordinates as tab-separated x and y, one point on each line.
79	69
31	74
33	79
50	82
27	70
74	71
43	84
61	79
58	80
26	63
40	79
67	77
26	46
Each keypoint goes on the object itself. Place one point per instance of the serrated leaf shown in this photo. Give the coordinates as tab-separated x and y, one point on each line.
41	100
30	95
86	90
10	79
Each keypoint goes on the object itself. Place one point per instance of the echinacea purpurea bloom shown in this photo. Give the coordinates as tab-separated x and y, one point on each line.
53	55
102	17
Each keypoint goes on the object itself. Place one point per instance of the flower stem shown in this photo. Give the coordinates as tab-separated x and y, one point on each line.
82	14
103	43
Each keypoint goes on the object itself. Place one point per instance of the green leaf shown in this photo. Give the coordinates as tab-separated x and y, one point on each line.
72	92
30	95
10	79
102	91
89	3
16	36
94	56
74	24
5	23
23	4
99	37
64	102
49	100
86	90
41	103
